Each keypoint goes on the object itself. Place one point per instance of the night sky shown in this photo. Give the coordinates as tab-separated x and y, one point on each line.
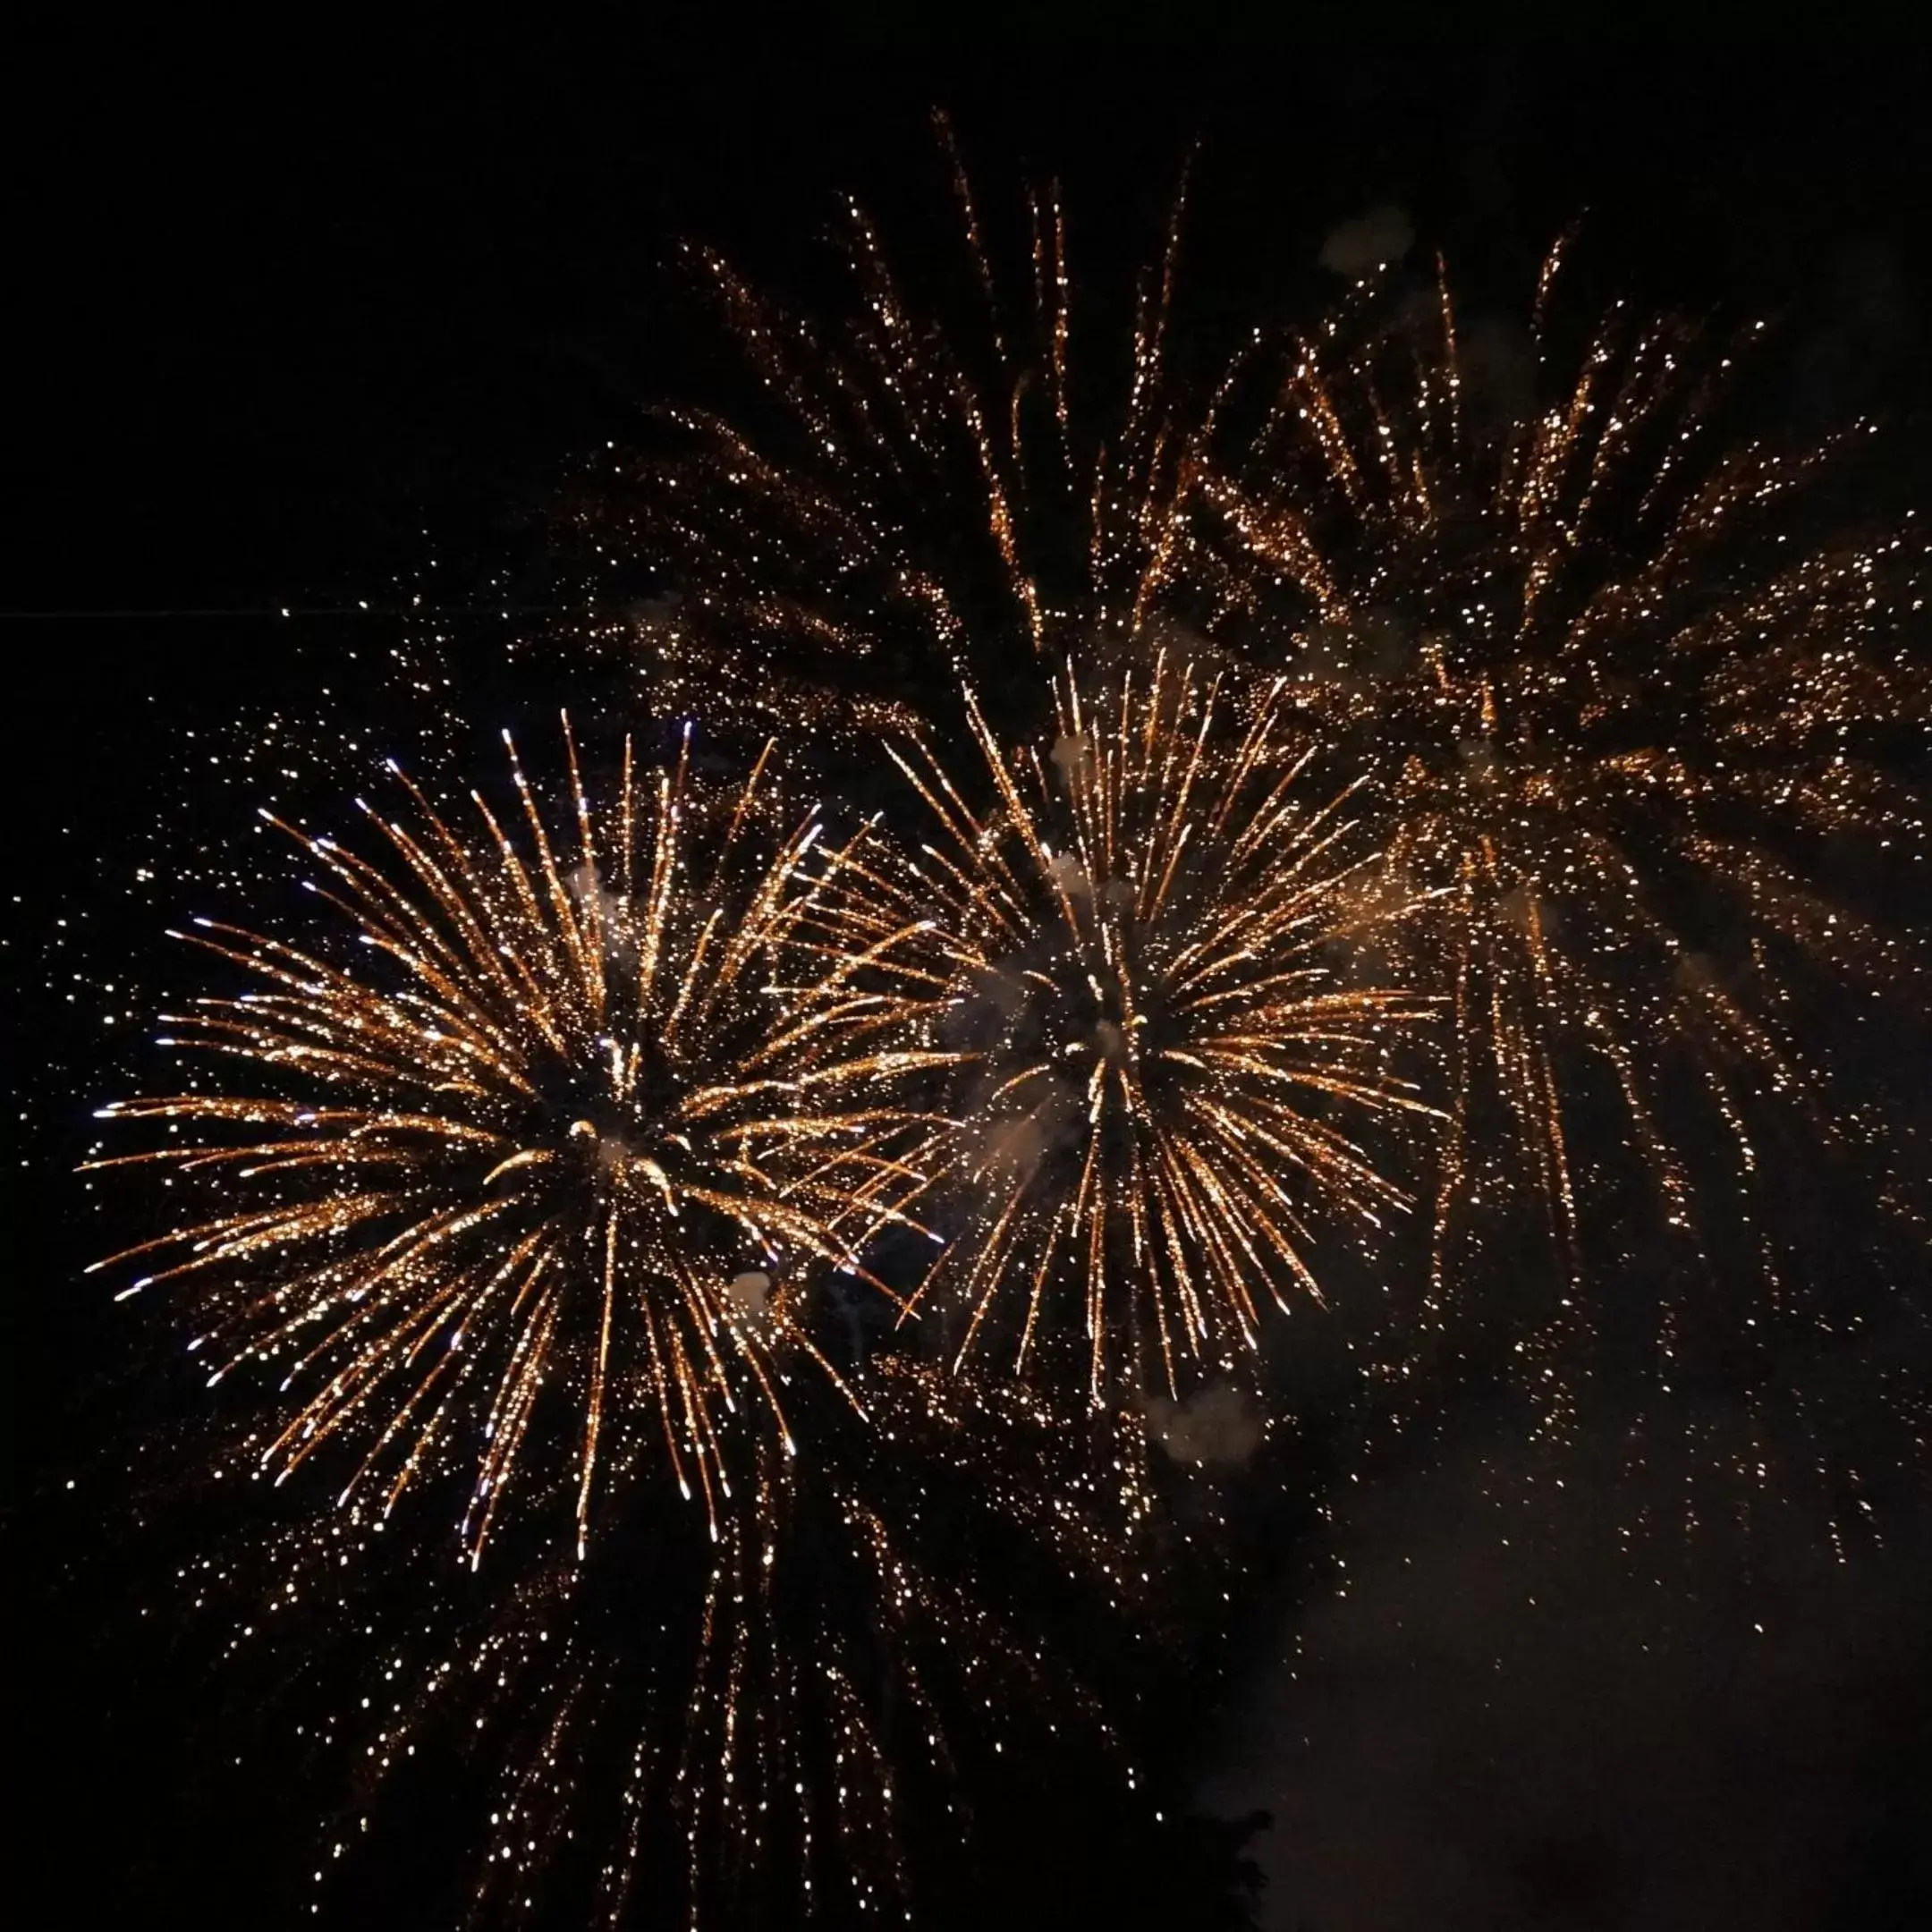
299	313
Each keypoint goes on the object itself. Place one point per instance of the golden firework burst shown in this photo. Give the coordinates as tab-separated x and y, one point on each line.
1136	955
574	1123
1627	702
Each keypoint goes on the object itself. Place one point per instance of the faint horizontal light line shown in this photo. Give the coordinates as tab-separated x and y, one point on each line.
345	610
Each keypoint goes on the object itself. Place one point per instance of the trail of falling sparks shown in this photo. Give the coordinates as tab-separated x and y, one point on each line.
689	1727
1633	711
553	1127
1136	956
1632	698
920	497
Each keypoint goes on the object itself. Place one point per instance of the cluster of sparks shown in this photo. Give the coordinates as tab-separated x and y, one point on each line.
555	1158
1601	681
557	1131
1136	953
1622	714
1630	721
1436	768
719	1720
922	492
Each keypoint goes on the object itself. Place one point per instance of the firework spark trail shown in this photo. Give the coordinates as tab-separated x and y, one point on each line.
556	1127
916	502
1631	708
787	1713
1136	956
1597	644
1630	697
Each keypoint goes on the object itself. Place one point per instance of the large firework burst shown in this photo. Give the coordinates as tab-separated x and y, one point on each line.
906	501
1628	706
1594	638
564	1128
1136	950
1635	692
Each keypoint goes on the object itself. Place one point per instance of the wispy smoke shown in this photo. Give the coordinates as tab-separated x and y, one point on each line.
1215	1427
1383	234
750	1291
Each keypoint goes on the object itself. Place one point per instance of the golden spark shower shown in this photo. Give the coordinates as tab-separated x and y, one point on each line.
1308	886
1136	948
1625	705
527	1166
1631	683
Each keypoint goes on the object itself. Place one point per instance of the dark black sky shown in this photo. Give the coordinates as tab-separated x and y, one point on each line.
276	302
286	301
1485	1715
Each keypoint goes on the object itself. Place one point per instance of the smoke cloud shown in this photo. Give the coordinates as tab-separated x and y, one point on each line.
1383	234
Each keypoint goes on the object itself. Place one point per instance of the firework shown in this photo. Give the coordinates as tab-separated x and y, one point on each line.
918	503
1628	704
528	1170
1642	728
1136	952
1634	705
787	1721
1592	640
